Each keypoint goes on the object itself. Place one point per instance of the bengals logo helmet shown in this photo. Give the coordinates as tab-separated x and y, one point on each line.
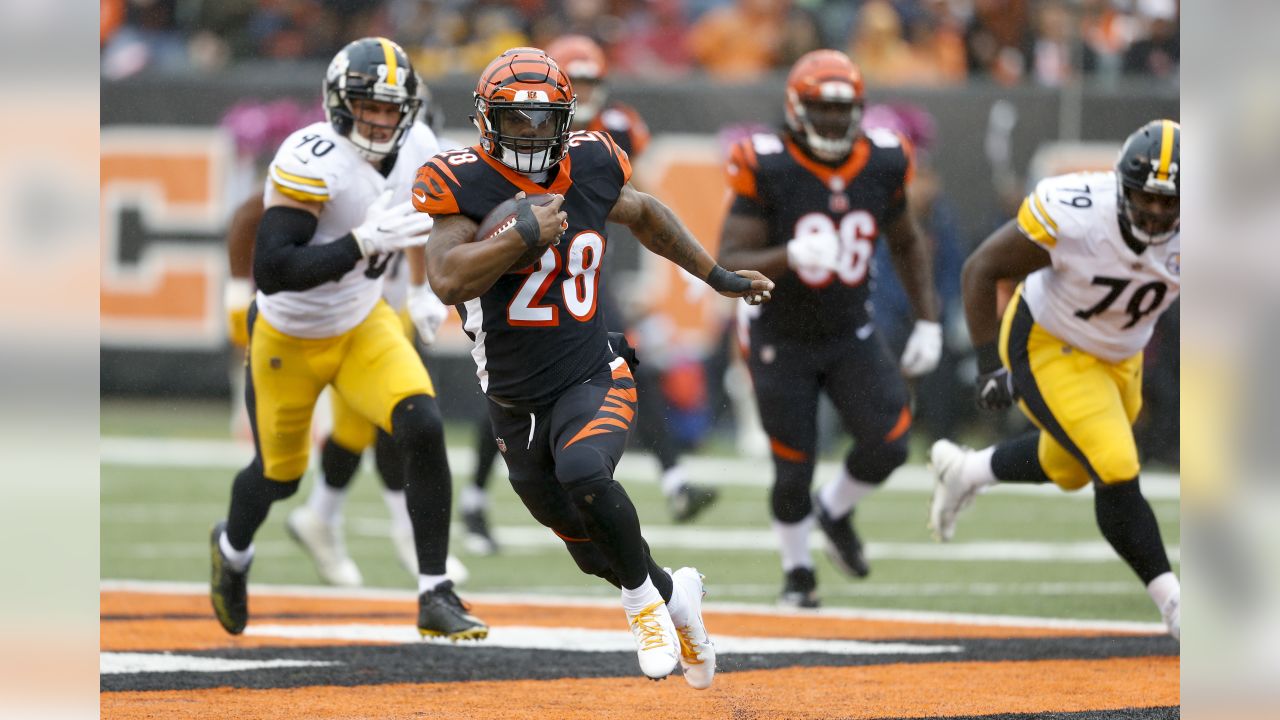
524	105
824	103
1149	163
372	68
585	64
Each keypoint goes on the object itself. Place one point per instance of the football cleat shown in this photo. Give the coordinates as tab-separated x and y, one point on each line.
478	540
441	613
697	652
324	543
656	640
951	493
690	500
228	588
843	546
1172	615
799	588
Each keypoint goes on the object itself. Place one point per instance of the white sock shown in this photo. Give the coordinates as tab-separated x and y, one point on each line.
793	541
237	559
840	495
1162	588
326	502
429	582
636	599
672	480
473	499
678	605
399	509
976	469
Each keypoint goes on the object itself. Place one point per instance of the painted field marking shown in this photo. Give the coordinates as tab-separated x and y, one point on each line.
115	663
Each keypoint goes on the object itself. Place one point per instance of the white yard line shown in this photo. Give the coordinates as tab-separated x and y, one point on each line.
917	616
112	663
635	467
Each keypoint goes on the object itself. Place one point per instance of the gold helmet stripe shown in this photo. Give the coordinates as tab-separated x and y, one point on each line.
389	52
1166	149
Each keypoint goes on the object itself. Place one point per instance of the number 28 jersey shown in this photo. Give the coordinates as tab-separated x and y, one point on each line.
773	179
1098	294
536	332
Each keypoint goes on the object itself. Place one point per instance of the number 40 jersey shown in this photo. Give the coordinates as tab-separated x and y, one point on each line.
1099	295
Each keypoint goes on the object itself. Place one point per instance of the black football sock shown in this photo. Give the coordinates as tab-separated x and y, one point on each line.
1128	523
1017	460
418	430
338	464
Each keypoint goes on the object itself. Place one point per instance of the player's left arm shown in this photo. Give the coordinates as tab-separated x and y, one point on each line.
659	230
912	256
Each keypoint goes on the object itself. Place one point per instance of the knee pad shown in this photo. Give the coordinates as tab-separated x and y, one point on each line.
790	497
585	490
1116	467
873	464
416	421
591	561
389	461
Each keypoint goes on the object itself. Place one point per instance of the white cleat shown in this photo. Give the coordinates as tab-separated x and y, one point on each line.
656	643
407	552
1172	614
325	544
951	493
697	652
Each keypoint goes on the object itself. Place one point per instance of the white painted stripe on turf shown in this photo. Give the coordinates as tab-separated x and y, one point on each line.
585	640
917	616
635	467
116	663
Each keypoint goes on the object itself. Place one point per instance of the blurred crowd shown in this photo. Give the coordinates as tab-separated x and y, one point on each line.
896	42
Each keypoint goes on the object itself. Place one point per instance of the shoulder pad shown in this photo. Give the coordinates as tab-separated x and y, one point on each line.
599	148
309	164
436	184
1060	206
743	165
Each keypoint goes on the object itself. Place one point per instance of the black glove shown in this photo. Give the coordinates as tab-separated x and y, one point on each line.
619	343
994	384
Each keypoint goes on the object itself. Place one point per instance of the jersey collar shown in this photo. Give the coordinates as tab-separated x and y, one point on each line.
846	171
559	186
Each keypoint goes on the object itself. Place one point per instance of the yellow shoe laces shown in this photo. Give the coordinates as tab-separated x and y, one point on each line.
649	628
690	655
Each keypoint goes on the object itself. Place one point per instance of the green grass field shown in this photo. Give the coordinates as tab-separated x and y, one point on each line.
1015	553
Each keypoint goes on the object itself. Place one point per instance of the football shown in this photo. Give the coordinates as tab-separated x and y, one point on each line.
502	217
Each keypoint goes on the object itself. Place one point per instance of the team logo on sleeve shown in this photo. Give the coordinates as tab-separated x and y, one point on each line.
1174	263
502	446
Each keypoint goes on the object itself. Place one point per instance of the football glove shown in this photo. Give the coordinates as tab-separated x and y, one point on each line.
389	227
426	311
923	350
813	252
622	347
994	384
237	294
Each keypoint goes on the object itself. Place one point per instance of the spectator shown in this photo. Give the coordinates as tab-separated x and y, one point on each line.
1158	52
745	40
654	40
1051	62
997	40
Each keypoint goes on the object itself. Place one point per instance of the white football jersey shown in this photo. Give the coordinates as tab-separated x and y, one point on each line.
1098	295
316	164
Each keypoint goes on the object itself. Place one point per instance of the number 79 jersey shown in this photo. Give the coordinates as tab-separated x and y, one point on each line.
536	332
1098	294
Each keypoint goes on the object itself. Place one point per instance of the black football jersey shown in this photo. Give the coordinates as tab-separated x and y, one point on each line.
537	332
772	178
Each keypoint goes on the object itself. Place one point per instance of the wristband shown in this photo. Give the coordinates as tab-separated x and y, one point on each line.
722	280
988	357
527	223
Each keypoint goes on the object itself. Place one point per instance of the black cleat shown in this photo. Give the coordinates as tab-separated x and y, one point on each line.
690	500
799	588
228	589
478	540
442	614
843	546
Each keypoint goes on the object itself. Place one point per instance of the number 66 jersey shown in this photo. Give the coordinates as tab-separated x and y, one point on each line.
1101	294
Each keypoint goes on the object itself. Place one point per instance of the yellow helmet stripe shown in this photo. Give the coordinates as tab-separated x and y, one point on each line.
389	53
1166	149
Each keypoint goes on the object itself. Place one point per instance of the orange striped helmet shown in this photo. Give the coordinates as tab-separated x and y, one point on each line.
824	103
584	62
524	104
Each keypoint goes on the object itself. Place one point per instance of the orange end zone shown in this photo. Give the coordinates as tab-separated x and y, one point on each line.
914	690
148	628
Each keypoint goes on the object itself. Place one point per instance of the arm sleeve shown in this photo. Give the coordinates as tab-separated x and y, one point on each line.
282	260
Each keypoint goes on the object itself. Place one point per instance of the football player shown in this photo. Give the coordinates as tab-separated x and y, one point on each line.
561	398
317	524
335	216
1101	253
584	62
808	204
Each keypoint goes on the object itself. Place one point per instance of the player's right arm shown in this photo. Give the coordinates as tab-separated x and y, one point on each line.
744	237
460	270
238	293
1006	254
282	259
